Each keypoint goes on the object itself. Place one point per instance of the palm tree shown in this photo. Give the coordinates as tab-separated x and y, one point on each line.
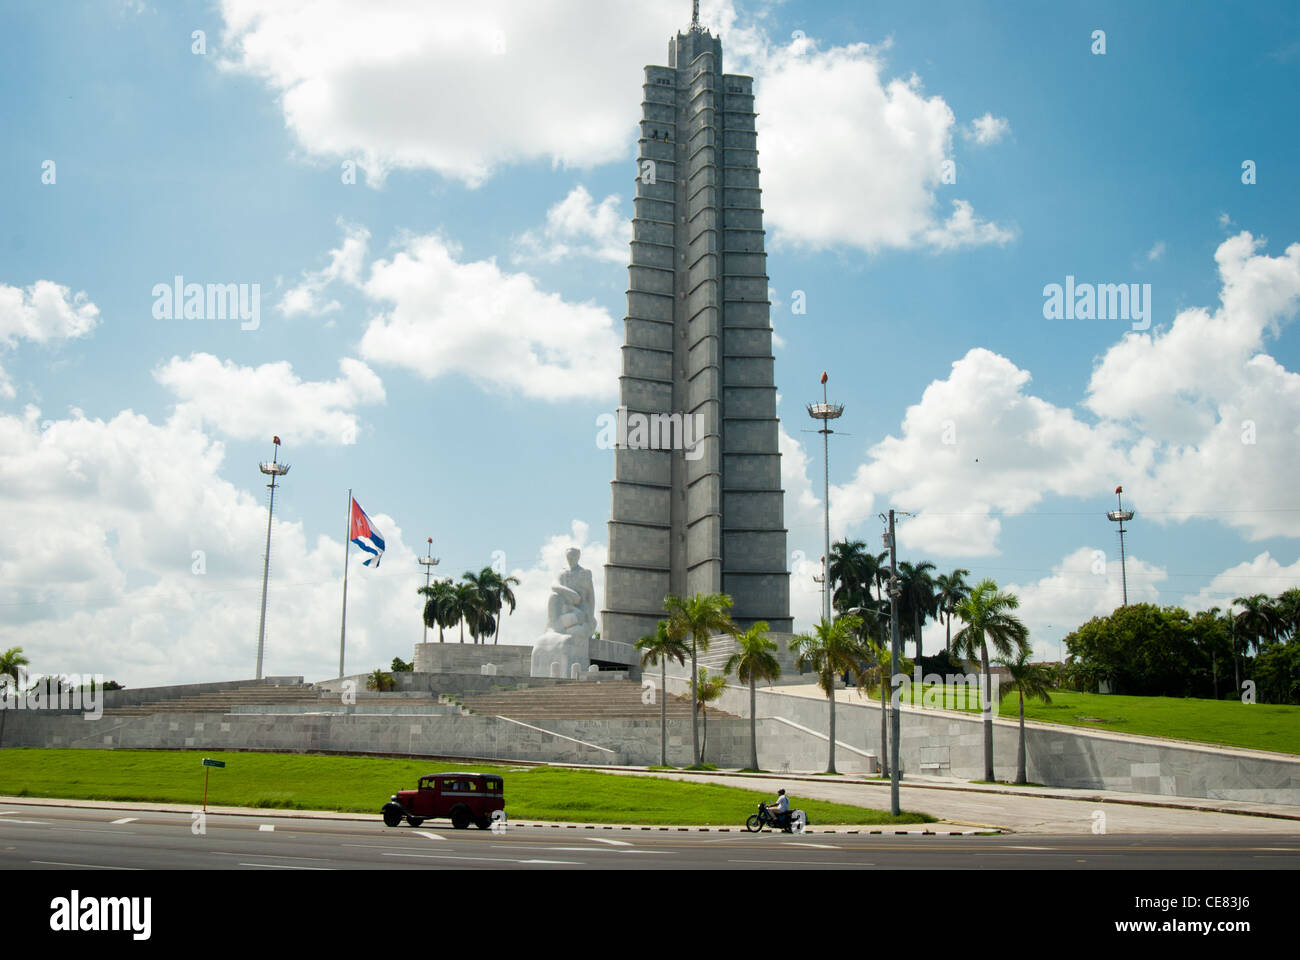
11	663
950	590
438	608
486	602
754	661
380	681
1258	620
660	647
1028	680
850	568
831	649
699	617
988	619
505	597
466	607
918	595
1287	606
708	689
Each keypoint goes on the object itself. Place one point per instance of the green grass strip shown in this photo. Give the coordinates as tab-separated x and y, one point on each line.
364	784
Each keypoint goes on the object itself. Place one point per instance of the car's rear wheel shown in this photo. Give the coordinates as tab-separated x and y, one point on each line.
754	823
460	818
415	821
392	818
483	823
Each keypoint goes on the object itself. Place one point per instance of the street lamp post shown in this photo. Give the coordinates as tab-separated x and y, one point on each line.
273	469
826	412
1119	516
428	562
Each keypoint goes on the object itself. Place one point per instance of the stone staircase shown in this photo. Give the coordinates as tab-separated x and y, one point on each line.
578	701
253	695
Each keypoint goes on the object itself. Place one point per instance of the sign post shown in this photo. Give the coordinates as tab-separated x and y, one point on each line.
207	768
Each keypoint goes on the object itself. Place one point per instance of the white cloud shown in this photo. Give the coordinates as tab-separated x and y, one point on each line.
346	262
44	312
987	130
443	316
1086	583
850	158
577	226
258	402
964	229
1263	574
1156	252
110	584
976	445
460	89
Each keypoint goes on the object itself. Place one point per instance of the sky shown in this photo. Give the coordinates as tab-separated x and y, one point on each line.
426	205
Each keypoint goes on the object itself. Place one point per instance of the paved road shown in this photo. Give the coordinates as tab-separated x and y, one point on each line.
1022	813
62	838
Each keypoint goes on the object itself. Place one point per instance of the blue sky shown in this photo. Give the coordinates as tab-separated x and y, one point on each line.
494	152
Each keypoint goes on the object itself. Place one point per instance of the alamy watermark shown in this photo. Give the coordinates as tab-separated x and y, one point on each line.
179	300
1098	301
651	431
952	691
68	691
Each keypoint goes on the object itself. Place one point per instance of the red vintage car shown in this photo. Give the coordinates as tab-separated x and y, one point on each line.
464	798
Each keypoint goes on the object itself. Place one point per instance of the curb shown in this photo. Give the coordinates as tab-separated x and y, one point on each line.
269	812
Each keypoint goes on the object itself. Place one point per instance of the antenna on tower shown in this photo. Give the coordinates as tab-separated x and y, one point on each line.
695	15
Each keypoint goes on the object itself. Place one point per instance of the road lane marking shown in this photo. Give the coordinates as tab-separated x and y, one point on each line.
43	823
824	863
88	866
267	828
125	820
823	846
278	856
589	850
282	866
447	856
431	836
612	843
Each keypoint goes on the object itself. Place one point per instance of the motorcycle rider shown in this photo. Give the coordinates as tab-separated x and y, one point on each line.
782	810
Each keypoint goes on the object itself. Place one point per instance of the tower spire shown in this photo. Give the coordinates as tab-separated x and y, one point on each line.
695	14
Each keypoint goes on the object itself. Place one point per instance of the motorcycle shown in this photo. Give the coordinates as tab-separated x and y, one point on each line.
796	821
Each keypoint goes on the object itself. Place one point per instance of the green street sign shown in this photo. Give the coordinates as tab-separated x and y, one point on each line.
213	763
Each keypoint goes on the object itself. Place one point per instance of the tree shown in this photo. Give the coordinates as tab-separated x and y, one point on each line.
699	617
831	649
918	600
754	660
401	666
1258	620
1287	608
1032	680
505	597
950	590
380	681
989	620
466	606
658	648
440	607
708	689
11	663
852	568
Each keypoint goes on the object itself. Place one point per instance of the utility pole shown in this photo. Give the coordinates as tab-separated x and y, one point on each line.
273	469
895	593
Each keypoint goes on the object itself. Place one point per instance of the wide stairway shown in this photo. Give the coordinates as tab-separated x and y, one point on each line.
255	695
580	700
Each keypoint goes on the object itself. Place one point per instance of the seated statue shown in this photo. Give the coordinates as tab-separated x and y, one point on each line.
570	622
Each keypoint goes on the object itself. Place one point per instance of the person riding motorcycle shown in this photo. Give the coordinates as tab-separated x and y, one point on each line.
781	809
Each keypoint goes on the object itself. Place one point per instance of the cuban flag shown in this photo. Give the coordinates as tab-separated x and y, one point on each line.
365	536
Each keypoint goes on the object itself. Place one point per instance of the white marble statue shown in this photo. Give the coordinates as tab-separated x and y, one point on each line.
570	622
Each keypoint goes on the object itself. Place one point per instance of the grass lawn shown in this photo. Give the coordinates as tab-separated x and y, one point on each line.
364	784
1258	726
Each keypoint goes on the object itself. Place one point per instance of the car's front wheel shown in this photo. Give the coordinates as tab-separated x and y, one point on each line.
392	817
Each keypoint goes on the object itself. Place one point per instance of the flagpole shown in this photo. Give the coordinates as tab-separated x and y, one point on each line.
343	626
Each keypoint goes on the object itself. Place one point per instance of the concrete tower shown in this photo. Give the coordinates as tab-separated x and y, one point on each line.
698	344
